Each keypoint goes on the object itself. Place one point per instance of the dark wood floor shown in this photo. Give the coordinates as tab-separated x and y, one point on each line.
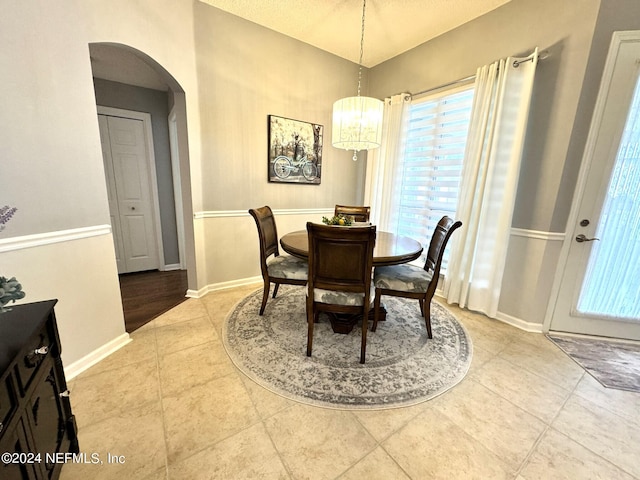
145	295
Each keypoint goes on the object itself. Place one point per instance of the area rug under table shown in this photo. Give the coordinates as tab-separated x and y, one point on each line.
613	364
403	367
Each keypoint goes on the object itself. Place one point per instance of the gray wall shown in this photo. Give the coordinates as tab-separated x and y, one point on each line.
50	157
577	36
614	15
245	73
233	74
155	103
48	150
564	29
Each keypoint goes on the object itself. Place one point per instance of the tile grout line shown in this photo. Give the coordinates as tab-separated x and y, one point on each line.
235	373
574	393
262	420
378	443
545	422
160	389
161	399
548	427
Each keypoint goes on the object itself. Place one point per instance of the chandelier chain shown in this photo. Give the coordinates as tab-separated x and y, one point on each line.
357	121
364	6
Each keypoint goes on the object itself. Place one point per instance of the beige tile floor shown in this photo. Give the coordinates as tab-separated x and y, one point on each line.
172	405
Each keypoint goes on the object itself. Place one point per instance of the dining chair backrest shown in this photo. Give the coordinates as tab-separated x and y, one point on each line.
339	281
410	281
341	258
443	231
359	213
278	270
267	233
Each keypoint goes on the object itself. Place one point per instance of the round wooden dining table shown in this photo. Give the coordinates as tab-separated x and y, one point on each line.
390	249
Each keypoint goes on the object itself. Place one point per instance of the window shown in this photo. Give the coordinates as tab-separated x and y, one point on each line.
432	165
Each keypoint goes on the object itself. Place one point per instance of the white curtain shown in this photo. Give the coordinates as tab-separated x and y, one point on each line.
489	182
384	169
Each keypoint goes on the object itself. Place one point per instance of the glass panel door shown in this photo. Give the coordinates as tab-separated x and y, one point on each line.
612	282
599	291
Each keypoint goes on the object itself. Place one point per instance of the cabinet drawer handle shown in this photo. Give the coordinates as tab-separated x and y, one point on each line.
42	350
64	394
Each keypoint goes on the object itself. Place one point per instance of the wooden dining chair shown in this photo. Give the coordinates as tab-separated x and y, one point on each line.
410	281
275	268
340	265
359	214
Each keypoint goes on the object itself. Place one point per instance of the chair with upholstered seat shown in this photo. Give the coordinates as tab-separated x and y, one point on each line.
410	281
276	268
340	266
359	213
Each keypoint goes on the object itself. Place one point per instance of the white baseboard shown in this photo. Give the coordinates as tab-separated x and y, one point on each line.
79	366
99	354
504	318
197	293
519	323
171	267
223	286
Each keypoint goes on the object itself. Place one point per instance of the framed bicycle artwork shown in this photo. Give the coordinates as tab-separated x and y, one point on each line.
295	151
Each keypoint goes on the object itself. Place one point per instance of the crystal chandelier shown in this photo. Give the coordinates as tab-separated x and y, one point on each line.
357	121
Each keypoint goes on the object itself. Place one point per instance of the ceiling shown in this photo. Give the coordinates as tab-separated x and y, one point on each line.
391	28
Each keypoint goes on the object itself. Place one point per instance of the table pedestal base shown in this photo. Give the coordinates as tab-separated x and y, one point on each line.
342	323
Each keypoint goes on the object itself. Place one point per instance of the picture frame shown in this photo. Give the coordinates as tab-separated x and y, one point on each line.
295	151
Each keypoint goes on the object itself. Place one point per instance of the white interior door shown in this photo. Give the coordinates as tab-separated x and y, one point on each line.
129	187
600	290
111	191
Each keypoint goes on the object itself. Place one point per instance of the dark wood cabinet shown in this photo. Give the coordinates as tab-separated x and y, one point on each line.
36	422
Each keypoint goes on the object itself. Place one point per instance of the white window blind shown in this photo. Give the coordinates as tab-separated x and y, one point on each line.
432	163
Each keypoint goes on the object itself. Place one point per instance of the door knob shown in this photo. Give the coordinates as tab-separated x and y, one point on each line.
581	238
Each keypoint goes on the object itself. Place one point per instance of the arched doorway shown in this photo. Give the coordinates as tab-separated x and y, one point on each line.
131	86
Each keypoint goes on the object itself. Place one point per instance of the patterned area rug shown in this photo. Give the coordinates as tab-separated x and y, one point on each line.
613	364
402	368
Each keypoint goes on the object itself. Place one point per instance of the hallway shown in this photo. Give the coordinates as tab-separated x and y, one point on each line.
145	295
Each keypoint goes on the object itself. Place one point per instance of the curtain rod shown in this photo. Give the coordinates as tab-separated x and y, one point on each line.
455	82
541	56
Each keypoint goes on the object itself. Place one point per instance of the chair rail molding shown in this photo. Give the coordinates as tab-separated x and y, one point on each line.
48	238
538	234
245	213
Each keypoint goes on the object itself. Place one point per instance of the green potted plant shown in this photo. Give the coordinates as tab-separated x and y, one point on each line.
342	220
10	291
